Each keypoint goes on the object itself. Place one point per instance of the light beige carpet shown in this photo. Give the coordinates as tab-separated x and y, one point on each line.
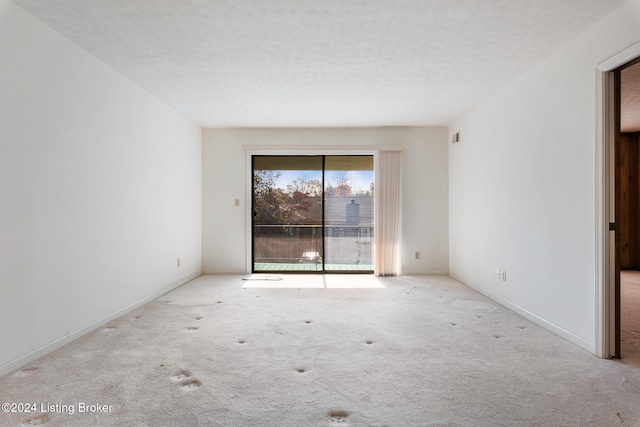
411	352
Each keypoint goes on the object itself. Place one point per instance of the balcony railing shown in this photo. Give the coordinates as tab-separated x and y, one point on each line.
293	247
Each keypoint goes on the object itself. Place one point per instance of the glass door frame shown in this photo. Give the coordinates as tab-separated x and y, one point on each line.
323	234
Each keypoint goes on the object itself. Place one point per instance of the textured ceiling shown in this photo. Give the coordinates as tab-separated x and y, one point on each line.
630	99
302	63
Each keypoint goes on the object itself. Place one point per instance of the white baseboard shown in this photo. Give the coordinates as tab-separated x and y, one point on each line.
27	358
558	330
223	273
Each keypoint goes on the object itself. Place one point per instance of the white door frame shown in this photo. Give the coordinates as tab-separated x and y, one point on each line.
605	201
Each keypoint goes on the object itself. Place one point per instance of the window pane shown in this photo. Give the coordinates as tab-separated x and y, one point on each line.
310	218
287	213
348	213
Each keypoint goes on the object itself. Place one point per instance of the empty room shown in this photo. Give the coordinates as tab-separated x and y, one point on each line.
319	213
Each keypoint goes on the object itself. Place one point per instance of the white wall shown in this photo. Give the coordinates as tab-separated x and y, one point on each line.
100	192
424	195
522	185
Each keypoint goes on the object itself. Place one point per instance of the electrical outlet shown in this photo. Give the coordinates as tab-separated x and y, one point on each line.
417	255
504	275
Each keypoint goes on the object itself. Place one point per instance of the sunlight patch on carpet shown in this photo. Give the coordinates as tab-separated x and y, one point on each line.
268	277
287	281
317	281
352	281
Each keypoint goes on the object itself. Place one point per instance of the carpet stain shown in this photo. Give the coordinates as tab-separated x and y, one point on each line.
199	318
339	418
301	371
192	328
453	324
498	336
191	385
186	380
26	371
369	342
36	420
241	341
218	302
307	321
137	317
181	375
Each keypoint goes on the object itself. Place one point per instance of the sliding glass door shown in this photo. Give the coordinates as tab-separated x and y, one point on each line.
287	213
348	213
312	213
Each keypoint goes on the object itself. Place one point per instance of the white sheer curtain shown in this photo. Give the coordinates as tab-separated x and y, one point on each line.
387	213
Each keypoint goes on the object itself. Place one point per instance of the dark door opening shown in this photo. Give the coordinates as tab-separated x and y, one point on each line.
627	211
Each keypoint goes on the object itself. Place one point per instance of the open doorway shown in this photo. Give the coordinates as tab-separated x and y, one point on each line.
627	211
615	229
